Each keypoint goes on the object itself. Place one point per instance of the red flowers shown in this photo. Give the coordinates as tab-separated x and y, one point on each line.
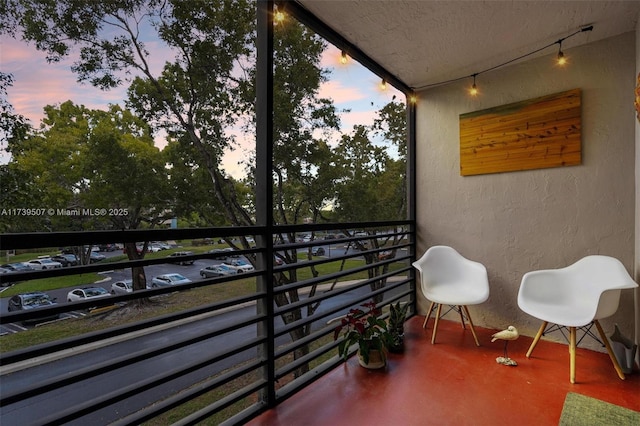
364	328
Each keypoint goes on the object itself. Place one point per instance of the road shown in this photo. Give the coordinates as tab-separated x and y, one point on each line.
33	410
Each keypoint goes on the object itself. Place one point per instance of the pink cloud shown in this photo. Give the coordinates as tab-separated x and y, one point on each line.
38	83
339	92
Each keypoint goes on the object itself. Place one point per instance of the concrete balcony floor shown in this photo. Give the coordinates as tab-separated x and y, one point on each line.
456	383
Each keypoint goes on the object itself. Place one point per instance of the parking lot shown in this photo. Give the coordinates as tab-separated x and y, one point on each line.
189	271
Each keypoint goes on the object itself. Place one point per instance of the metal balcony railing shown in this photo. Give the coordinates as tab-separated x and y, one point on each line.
216	349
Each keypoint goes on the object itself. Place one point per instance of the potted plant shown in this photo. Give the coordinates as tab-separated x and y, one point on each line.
397	315
365	328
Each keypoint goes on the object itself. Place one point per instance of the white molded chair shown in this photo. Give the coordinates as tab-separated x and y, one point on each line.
448	278
575	297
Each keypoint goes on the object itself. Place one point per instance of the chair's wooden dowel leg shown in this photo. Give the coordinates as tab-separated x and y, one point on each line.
473	330
616	365
572	354
435	326
426	319
462	317
535	339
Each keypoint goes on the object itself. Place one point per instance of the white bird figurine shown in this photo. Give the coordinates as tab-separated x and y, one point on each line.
511	333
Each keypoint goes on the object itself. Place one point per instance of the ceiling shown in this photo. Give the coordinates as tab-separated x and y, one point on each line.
426	42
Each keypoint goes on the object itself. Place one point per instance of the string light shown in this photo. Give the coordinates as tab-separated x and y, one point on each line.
474	90
561	59
383	84
343	58
278	16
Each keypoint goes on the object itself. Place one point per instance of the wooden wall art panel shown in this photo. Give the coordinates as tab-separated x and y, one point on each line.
533	134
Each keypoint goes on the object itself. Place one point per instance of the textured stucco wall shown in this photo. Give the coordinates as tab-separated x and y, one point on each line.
549	218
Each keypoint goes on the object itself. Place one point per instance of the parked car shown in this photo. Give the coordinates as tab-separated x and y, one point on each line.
231	252
107	247
33	300
220	254
317	251
17	267
96	257
240	265
168	280
65	259
122	287
86	293
10	268
177	258
154	248
163	245
217	271
45	263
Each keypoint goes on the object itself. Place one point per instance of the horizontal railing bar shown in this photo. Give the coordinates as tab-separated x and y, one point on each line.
305	321
27	240
324	242
302	322
291	388
176	400
308	320
315	335
330	277
304	302
298	228
103	401
221	404
47	348
68	378
291	366
307	263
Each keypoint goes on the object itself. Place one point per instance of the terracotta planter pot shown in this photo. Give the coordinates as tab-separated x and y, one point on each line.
376	360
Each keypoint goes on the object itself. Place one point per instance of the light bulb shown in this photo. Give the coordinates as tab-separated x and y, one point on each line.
343	58
474	89
383	85
278	17
561	59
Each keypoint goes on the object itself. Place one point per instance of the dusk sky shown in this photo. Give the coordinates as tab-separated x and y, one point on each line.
38	83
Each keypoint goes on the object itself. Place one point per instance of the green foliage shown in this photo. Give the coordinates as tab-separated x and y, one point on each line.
88	159
397	315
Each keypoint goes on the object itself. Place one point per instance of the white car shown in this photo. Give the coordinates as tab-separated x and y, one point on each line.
168	280
218	271
122	287
239	265
86	293
44	264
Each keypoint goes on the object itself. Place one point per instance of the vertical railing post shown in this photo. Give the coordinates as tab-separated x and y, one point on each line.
264	188
412	187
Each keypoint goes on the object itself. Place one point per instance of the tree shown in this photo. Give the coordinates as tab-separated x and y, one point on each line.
102	162
15	187
372	184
